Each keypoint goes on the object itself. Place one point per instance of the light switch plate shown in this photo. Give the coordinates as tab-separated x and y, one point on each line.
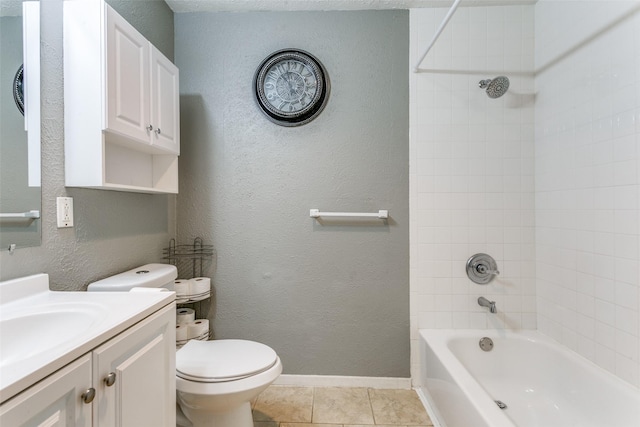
65	211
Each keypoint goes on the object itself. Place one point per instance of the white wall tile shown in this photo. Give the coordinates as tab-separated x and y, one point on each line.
556	200
587	152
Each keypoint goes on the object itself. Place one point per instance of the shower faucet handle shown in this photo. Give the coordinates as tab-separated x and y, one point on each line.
482	268
485	269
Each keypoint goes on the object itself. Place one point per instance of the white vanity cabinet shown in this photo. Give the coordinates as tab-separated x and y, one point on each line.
122	104
132	376
55	401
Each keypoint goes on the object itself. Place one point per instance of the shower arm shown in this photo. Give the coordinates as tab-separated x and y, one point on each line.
444	23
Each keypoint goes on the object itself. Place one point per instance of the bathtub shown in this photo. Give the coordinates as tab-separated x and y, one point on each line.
541	382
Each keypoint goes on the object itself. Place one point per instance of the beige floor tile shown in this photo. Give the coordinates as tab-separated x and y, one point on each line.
265	424
284	404
398	407
334	405
309	425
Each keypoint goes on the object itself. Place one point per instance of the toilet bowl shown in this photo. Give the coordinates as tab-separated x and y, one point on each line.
215	380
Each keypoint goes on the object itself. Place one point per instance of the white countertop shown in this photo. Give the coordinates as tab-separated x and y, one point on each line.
32	348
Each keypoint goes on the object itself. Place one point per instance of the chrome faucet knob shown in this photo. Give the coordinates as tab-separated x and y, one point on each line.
482	268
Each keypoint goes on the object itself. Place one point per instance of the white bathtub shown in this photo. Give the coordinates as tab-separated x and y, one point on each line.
541	382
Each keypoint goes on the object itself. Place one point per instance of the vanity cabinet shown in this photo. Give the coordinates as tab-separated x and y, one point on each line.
53	402
122	104
132	376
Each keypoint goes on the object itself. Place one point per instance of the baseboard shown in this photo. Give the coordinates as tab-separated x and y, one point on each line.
343	381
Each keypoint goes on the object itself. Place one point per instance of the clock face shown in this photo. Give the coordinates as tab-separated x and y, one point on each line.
291	87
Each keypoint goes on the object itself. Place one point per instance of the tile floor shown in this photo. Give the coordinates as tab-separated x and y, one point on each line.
288	406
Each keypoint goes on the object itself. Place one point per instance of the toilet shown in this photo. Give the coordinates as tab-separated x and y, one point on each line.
215	380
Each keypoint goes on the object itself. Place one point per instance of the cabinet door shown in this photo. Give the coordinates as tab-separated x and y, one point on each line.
127	79
53	402
141	362
165	102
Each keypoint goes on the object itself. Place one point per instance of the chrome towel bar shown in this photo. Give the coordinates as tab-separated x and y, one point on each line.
381	214
30	215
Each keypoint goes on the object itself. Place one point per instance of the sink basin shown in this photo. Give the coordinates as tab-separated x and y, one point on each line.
28	333
42	331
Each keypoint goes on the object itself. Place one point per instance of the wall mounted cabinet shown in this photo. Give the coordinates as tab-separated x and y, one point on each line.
122	105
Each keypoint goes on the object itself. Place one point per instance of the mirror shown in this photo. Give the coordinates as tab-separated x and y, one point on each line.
20	195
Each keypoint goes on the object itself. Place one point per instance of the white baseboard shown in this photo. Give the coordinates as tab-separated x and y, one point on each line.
343	381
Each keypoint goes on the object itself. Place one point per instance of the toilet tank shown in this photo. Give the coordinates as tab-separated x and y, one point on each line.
146	276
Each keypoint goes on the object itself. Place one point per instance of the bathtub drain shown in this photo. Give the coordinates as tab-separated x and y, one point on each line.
501	404
486	344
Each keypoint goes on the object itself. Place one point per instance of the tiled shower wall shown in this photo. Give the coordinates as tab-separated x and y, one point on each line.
587	135
472	169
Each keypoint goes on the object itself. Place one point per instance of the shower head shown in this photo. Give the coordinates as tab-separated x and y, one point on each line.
496	87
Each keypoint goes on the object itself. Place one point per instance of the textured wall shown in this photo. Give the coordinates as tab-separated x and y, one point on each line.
331	299
472	186
114	231
587	180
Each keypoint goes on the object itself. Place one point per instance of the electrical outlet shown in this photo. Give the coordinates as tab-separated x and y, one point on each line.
65	211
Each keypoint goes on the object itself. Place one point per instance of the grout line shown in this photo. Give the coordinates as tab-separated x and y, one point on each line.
313	402
373	415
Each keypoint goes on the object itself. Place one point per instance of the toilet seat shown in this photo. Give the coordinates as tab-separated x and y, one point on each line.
223	360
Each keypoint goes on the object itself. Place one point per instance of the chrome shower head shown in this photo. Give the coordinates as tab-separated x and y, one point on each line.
496	87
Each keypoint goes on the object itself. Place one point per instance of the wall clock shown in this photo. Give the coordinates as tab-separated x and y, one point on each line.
291	87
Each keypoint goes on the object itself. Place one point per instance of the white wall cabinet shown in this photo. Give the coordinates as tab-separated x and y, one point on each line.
132	376
122	104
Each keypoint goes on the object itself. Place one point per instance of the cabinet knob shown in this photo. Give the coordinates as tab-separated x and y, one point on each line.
157	131
110	379
88	395
150	128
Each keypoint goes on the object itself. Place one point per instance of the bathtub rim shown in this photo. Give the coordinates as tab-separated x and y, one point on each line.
438	341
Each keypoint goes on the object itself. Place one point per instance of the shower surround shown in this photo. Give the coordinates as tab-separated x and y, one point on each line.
471	171
550	191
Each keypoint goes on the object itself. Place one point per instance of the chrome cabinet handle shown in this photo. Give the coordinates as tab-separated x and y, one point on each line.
150	128
110	379
157	131
88	395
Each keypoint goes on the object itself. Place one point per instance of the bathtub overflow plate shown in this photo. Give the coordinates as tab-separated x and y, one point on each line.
486	344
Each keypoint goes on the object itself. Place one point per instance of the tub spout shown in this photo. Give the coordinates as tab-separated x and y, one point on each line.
486	303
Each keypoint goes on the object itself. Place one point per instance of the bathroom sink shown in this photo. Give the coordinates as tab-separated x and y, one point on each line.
36	330
41	330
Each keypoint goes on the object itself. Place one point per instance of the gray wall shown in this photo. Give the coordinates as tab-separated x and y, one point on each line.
114	231
331	298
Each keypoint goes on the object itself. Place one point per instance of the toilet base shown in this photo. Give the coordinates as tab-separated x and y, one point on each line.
239	417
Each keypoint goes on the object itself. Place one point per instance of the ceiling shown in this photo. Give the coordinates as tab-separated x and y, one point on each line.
14	7
184	6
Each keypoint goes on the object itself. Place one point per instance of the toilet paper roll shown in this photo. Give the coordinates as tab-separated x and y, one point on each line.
198	329
185	316
182	332
181	287
199	286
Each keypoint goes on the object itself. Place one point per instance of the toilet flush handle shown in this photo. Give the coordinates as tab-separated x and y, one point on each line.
110	379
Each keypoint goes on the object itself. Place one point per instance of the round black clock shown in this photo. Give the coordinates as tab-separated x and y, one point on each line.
291	87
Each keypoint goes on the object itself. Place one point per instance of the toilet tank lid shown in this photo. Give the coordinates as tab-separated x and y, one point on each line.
146	276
